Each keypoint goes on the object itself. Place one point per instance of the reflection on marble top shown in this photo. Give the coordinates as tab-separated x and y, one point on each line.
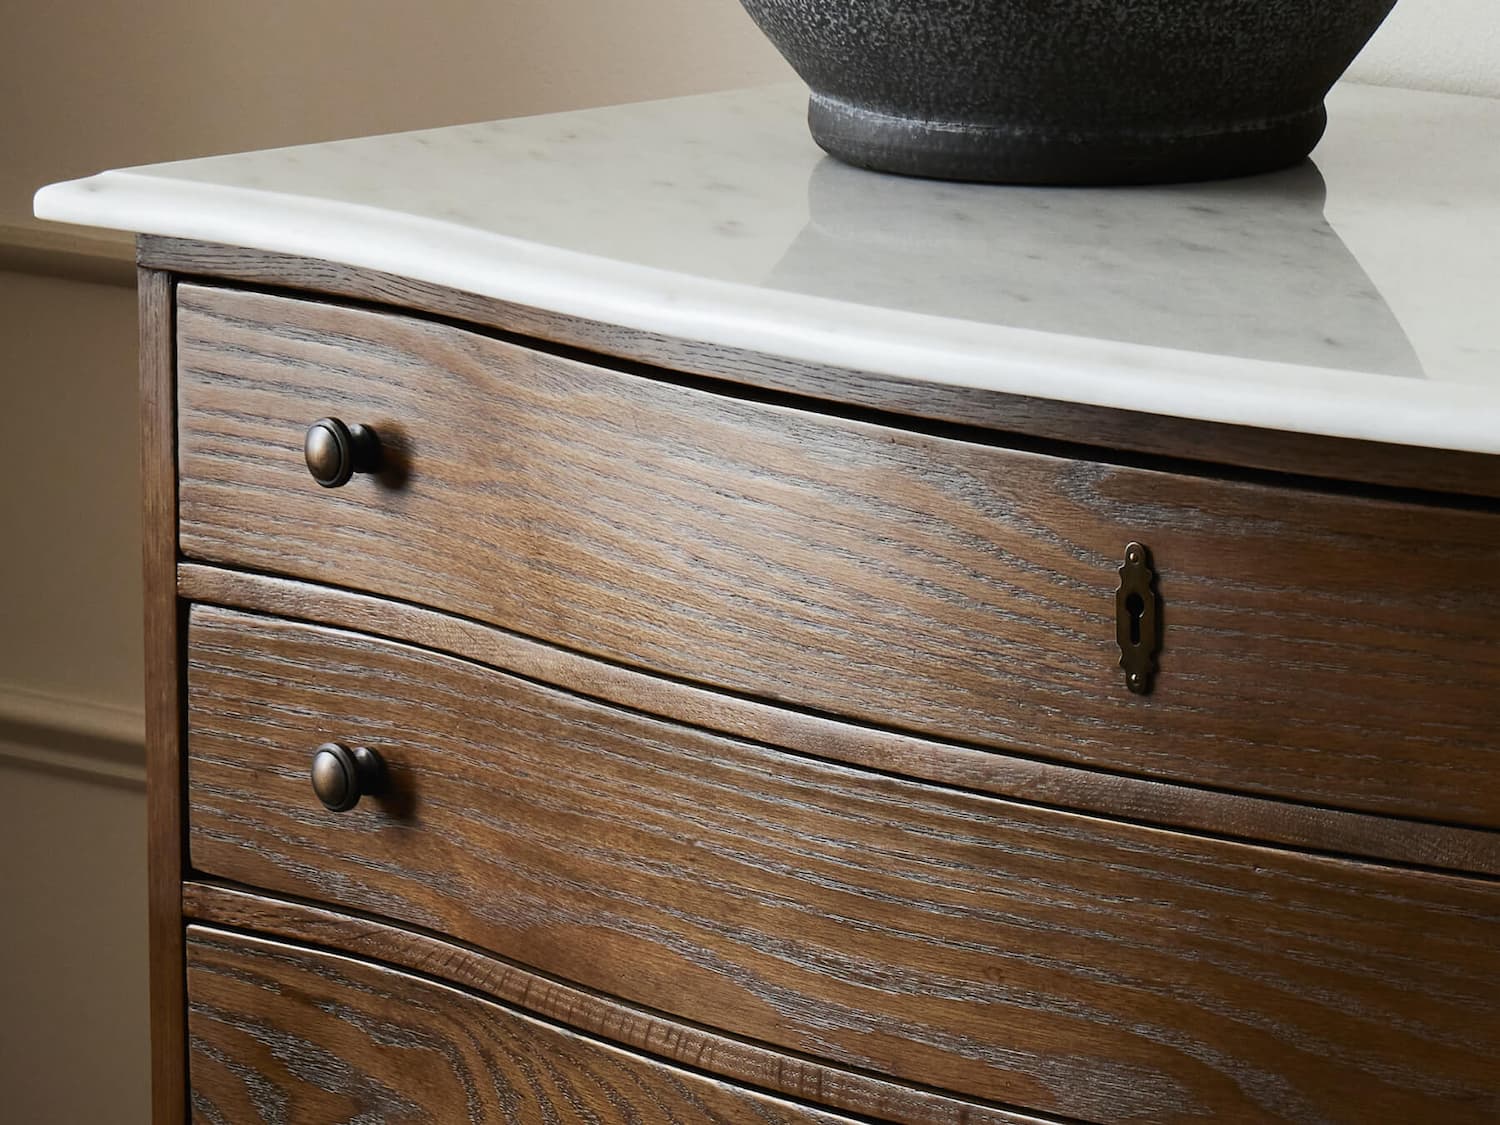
1358	295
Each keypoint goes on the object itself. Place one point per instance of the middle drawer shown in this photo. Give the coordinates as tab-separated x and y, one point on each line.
1076	965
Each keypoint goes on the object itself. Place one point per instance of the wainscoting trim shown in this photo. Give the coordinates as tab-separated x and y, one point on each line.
56	733
77	254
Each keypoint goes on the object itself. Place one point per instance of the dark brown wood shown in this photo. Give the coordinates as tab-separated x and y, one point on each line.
164	697
1024	956
284	1034
589	1013
1333	649
1100	427
1153	802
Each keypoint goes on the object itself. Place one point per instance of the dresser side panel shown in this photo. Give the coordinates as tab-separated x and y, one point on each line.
164	696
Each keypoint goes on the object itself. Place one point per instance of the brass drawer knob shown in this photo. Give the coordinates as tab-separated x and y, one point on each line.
335	452
340	776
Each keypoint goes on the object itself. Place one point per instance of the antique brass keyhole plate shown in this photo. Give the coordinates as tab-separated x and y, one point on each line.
1138	619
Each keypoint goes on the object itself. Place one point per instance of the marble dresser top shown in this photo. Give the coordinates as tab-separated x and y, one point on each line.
1355	296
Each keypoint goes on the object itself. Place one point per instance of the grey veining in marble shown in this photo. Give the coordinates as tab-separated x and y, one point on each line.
1356	296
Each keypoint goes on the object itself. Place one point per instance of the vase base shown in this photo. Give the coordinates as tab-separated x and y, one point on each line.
1001	153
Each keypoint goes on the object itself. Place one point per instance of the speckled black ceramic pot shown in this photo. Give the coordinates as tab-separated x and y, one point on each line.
1069	91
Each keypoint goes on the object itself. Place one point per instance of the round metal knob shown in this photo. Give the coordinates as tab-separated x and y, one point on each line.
335	452
340	776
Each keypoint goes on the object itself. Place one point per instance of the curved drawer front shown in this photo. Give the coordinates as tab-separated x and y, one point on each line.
279	1033
1334	650
1068	964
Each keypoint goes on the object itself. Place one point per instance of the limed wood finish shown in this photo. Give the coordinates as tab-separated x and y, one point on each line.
1329	648
1068	964
164	700
589	1013
1155	802
1338	459
282	1034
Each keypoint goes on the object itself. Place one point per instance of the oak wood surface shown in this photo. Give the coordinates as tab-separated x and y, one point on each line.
283	1034
1255	819
1024	956
1337	459
164	697
427	955
1333	649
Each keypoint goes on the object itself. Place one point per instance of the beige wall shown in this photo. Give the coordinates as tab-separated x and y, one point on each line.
68	578
72	841
85	86
73	1046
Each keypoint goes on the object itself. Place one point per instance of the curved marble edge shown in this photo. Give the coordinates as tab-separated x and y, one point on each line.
919	347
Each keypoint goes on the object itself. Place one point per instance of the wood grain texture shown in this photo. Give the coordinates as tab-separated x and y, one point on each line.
1337	459
1072	965
1332	649
1256	819
282	1034
592	1014
165	703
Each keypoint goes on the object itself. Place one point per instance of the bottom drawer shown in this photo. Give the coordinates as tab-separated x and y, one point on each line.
286	1034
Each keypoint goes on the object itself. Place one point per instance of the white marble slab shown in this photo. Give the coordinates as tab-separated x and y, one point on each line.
1358	296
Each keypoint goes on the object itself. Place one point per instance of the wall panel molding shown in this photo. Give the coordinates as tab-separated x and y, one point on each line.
103	742
75	253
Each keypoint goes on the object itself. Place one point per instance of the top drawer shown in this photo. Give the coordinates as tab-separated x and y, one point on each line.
1333	649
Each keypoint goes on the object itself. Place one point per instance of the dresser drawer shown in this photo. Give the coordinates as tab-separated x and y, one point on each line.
1069	964
283	1034
1336	650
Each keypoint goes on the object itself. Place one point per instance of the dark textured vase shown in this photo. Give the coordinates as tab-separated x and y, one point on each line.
1069	91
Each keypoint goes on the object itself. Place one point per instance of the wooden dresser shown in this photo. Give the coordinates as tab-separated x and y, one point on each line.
553	719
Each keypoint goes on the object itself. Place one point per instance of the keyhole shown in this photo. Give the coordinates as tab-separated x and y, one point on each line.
1135	605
